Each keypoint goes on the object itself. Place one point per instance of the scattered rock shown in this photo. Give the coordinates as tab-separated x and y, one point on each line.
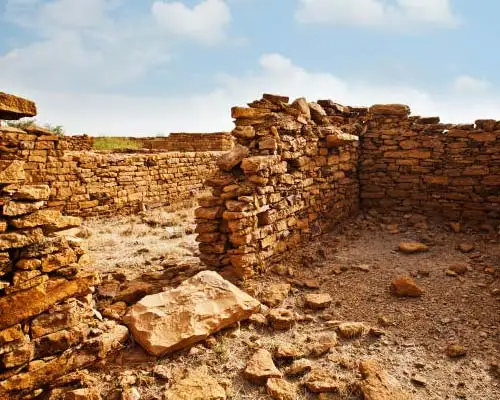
419	380
274	295
260	367
180	317
455	227
459	269
130	393
466	247
323	345
323	381
456	351
378	385
299	367
279	389
287	351
197	385
281	319
413	247
351	330
318	301
406	287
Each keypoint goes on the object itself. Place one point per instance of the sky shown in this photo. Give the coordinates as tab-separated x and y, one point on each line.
142	68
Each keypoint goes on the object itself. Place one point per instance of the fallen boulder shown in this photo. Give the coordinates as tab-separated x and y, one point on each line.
177	318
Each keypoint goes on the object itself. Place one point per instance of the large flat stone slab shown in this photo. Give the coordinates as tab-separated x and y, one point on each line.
177	318
13	107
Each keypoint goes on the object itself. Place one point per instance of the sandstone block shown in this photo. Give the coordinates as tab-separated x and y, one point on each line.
197	385
180	317
13	107
260	367
378	385
22	305
232	158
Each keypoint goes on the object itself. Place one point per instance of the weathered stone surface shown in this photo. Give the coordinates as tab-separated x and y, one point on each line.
59	317
55	261
350	330
12	172
299	367
28	192
15	208
21	305
51	220
280	389
323	381
318	301
281	319
19	356
15	240
14	107
233	157
456	351
288	351
412	247
197	385
260	367
274	295
251	165
98	348
378	385
340	139
180	317
242	112
406	287
5	263
390	109
11	334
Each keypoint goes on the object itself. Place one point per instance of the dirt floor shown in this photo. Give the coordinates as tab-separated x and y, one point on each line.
355	264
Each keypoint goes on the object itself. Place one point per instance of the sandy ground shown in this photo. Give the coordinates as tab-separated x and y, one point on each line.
355	265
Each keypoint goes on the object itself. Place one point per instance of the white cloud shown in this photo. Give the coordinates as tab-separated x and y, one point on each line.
467	84
206	22
80	44
210	111
384	14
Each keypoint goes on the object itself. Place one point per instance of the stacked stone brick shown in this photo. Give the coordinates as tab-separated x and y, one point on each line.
48	327
291	175
192	142
86	183
77	143
418	165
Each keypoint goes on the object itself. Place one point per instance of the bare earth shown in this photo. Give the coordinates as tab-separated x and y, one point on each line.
355	265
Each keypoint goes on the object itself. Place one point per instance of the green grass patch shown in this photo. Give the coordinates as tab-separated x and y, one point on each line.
115	143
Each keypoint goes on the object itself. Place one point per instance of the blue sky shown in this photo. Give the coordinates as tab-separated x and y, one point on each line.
128	67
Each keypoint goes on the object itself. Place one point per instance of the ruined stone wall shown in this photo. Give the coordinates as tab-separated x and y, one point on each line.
77	143
189	142
48	326
95	184
182	142
418	165
291	176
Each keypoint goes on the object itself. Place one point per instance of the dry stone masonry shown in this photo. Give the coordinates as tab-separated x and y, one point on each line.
180	142
295	171
86	183
413	164
291	175
48	326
